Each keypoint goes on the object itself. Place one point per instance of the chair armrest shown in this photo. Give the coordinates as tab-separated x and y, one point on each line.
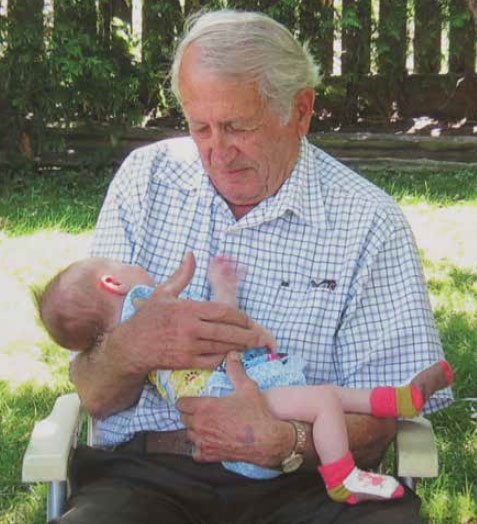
416	450
46	457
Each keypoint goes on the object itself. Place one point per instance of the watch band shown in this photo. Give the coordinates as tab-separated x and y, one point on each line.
300	431
295	459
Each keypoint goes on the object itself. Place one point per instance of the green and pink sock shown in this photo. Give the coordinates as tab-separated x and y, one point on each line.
347	483
408	401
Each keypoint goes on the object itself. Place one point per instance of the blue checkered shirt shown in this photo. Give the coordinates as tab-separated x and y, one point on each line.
331	267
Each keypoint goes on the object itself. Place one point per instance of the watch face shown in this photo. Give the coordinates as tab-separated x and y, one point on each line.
292	463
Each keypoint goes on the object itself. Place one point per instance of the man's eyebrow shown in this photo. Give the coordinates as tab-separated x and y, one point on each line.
236	122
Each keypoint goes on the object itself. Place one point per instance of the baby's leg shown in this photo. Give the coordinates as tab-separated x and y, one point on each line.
224	280
432	379
408	400
402	401
322	407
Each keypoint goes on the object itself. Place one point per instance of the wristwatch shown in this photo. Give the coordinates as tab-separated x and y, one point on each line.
295	458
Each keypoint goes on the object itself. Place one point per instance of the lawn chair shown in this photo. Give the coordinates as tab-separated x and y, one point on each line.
46	458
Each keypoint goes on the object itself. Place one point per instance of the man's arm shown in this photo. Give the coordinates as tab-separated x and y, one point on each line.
102	380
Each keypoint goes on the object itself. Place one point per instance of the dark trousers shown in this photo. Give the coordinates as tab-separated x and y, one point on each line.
130	487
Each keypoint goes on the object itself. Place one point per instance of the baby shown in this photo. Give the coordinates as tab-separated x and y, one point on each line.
91	296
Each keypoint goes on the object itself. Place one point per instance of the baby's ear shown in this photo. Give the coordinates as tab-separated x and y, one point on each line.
113	285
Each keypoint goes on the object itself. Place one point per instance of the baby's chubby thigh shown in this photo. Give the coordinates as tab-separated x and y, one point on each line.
298	402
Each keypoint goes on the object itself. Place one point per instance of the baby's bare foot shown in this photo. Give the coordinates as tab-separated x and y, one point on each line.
224	279
432	379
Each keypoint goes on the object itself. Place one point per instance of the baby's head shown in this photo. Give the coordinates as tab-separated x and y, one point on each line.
84	300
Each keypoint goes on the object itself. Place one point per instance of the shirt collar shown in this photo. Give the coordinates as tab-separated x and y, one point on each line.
295	195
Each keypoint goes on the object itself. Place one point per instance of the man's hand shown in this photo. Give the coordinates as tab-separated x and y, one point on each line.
238	427
165	333
170	333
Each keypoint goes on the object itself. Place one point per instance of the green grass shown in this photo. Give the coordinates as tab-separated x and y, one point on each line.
63	200
452	497
19	408
45	223
439	189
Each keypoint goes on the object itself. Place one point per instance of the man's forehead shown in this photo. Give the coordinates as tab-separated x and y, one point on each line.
206	90
227	107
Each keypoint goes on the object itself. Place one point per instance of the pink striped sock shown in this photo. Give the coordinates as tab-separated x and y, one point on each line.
334	473
383	401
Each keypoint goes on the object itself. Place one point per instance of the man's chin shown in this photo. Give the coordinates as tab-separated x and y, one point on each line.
241	206
243	200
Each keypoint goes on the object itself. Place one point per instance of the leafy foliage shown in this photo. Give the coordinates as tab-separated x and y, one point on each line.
88	65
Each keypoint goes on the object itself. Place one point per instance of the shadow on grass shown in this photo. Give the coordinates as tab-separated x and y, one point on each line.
462	280
459	337
65	200
454	290
432	187
451	498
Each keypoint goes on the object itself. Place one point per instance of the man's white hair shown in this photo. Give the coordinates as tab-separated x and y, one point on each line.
251	47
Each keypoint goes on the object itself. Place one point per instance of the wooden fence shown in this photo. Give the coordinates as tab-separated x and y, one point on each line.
376	54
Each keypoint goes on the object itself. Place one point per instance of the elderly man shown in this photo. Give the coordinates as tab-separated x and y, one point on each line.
331	270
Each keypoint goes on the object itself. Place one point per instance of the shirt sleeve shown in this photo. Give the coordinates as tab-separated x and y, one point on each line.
387	333
119	220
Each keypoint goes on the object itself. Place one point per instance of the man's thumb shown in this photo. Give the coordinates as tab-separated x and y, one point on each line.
236	371
181	277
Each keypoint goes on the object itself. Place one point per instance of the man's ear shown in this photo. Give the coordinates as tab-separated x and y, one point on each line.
113	285
304	102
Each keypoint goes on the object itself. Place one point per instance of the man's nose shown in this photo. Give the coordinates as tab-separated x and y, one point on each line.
223	150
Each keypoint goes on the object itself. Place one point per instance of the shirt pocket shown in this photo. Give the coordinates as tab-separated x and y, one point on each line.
302	311
305	292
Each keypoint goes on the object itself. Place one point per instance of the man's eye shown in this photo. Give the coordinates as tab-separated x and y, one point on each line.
198	130
238	129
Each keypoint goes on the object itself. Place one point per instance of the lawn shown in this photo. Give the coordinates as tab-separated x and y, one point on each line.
46	222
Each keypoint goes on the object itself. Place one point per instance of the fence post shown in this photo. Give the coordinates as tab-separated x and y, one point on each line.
114	45
391	53
162	22
391	43
83	13
427	36
190	6
23	65
356	52
104	27
317	26
461	38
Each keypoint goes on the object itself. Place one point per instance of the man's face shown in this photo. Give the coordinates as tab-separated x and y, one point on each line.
244	148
